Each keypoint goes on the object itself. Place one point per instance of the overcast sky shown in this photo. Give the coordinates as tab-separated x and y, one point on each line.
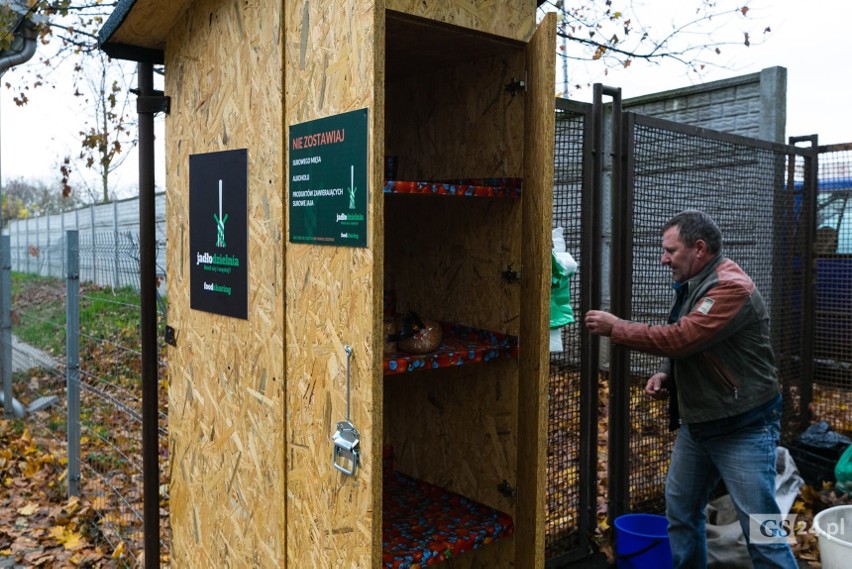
810	39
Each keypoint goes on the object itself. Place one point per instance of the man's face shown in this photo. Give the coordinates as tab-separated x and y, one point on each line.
685	262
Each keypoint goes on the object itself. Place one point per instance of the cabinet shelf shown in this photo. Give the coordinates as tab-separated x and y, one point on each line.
460	345
473	187
423	524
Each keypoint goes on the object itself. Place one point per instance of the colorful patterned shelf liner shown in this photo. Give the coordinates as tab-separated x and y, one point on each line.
460	345
477	187
423	524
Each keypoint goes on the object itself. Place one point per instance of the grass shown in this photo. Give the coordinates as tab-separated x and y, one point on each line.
38	309
39	312
107	313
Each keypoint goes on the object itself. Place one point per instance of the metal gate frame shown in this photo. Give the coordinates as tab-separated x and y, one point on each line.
573	544
618	161
624	125
833	302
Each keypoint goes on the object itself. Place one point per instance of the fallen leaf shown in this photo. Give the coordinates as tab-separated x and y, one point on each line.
29	509
100	502
57	533
74	541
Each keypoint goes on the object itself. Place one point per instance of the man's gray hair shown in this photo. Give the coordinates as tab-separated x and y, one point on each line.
692	225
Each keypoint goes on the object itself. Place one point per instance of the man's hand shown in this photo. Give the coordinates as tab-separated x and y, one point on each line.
599	322
655	388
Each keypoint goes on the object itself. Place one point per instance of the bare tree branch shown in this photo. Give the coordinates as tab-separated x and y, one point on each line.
613	37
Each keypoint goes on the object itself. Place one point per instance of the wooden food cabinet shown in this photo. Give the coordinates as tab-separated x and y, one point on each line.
460	95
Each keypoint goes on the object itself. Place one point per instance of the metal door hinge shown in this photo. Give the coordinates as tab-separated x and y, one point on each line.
517	86
510	275
507	489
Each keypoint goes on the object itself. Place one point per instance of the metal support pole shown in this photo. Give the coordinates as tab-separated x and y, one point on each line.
620	290
47	248
6	325
148	317
18	244
590	299
115	244
62	232
94	246
72	359
807	227
77	227
564	27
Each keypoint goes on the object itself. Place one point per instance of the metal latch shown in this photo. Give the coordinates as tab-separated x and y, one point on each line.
346	452
346	438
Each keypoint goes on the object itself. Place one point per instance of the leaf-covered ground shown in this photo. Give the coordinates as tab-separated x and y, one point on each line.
105	522
650	447
39	527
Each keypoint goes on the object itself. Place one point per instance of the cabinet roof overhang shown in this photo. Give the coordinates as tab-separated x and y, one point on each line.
137	29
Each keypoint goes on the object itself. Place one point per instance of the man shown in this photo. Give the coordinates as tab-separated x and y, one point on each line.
720	373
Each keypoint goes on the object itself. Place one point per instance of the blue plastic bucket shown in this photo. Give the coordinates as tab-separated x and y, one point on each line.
642	541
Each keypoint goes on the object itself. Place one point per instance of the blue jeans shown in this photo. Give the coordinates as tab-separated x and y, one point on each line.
744	458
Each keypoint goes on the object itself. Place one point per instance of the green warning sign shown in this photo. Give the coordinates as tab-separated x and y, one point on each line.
327	194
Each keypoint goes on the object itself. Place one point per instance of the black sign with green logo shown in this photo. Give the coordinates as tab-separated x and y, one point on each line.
218	233
328	181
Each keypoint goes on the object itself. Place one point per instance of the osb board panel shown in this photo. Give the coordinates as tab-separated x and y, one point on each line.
334	65
457	428
457	122
444	257
535	301
514	20
226	398
149	22
416	45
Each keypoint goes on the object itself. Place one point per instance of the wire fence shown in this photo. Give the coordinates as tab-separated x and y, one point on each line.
833	342
38	243
742	186
833	310
760	193
102	406
563	444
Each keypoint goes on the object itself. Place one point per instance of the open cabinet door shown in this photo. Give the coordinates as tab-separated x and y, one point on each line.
535	299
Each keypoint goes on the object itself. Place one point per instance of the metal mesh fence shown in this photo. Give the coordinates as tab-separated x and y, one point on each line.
760	194
833	334
38	243
111	397
563	449
742	186
110	418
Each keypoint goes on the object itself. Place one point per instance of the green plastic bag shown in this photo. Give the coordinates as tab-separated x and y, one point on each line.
843	472
560	295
